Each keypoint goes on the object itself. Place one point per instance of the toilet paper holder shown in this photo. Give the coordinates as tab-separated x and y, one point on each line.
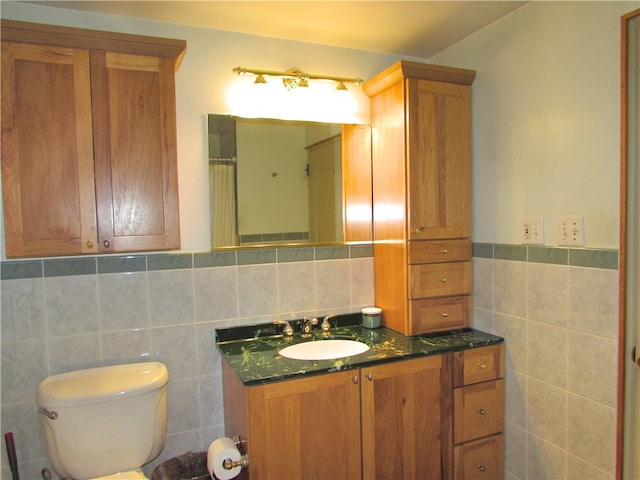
243	462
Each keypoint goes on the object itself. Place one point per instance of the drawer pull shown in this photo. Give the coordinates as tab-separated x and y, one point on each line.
444	280
89	244
482	468
482	366
106	243
482	411
444	251
370	377
444	315
355	379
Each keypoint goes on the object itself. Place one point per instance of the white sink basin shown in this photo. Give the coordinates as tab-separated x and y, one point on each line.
324	349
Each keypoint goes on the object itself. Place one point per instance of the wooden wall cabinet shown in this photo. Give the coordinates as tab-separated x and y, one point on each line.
421	168
478	417
89	153
391	421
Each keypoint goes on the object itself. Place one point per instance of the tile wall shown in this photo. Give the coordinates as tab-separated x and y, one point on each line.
72	313
556	307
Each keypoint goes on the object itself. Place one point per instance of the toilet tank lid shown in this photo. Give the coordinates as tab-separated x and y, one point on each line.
94	385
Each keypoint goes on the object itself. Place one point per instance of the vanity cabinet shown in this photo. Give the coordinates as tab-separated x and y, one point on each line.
89	152
391	421
421	169
478	417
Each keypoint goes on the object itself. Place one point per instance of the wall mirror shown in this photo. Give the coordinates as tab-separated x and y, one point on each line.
275	182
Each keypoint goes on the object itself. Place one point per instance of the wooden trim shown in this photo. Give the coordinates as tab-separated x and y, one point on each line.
54	35
623	257
405	69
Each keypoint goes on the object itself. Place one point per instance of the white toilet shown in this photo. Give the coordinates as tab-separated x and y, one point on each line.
104	422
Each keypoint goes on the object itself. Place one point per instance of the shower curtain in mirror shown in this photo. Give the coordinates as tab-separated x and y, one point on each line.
222	185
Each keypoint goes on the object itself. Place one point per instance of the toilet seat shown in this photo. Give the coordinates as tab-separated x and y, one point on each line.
136	474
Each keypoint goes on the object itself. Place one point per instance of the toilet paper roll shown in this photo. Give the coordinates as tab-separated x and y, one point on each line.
219	450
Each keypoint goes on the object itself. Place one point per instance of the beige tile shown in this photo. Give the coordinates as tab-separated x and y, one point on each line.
547	353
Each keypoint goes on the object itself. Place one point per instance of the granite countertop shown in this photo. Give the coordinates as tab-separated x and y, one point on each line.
252	351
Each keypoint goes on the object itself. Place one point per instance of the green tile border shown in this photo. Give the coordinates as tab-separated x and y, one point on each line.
63	266
575	257
21	269
124	264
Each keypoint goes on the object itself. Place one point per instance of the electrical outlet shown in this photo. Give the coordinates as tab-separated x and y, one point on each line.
532	230
571	230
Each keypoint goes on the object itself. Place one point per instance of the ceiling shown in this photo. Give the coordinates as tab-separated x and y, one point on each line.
409	28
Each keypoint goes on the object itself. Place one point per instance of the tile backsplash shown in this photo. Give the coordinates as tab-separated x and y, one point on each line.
556	307
64	314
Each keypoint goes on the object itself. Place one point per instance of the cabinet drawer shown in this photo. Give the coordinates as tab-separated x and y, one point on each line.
481	459
430	251
478	410
478	365
441	279
437	314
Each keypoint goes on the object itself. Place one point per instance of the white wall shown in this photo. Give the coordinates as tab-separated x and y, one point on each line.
546	125
201	83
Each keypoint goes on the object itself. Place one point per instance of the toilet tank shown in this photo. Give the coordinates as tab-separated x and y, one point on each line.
108	419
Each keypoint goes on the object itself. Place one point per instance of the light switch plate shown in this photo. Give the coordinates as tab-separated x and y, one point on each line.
571	230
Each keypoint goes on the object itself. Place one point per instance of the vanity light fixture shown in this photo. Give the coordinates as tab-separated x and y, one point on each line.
294	78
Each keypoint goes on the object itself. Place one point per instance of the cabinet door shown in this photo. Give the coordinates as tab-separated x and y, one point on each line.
439	158
47	151
135	152
405	420
305	428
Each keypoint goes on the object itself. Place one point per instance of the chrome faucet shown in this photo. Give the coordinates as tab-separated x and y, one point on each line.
325	325
287	330
307	324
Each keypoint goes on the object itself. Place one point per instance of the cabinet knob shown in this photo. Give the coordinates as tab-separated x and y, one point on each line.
370	377
444	280
482	366
89	244
482	411
355	379
444	251
444	315
417	231
482	468
106	244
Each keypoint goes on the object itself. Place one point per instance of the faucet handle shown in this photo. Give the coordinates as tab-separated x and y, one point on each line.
287	330
325	326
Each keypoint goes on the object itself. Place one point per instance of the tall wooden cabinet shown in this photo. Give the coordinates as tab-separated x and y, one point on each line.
391	421
421	167
89	154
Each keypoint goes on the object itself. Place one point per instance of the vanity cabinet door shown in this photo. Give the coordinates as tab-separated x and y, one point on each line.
406	419
305	428
439	159
47	151
135	152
